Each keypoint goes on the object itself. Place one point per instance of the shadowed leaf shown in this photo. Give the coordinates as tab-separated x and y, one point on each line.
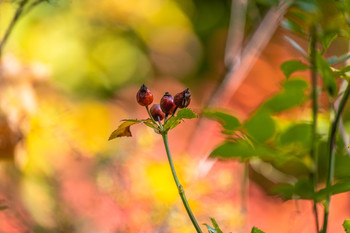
291	66
237	149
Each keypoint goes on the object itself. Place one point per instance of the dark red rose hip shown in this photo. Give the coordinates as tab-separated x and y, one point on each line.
167	104
144	96
182	99
157	112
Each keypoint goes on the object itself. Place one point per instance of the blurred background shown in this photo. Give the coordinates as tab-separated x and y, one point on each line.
70	71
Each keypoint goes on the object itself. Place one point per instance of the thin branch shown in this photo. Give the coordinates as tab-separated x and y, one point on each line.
235	35
19	12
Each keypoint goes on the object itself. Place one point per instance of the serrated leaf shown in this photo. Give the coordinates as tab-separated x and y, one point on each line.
260	126
291	66
228	122
236	149
327	75
256	230
186	113
346	225
171	123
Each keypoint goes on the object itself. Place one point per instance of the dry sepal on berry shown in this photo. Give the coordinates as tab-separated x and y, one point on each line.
182	99
167	104
157	112
144	96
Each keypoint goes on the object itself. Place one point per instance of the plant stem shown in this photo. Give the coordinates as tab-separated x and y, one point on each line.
245	187
331	153
178	185
314	97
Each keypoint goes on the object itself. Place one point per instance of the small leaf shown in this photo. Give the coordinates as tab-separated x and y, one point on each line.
186	113
337	188
297	134
260	126
216	226
123	130
327	75
210	229
3	207
228	122
293	26
327	40
256	230
236	149
346	225
292	66
292	95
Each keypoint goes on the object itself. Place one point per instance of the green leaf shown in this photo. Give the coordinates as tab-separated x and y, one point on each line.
184	113
3	207
292	66
292	95
256	230
216	226
260	126
291	25
228	122
327	40
337	188
210	229
327	75
297	134
346	225
302	189
236	149
285	191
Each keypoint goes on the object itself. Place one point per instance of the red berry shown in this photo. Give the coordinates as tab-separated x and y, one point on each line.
182	99
156	112
167	104
144	96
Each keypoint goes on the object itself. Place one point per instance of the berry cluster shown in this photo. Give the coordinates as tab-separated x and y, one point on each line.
168	104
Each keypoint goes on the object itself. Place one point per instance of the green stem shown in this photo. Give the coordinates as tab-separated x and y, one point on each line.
178	185
314	97
245	187
331	153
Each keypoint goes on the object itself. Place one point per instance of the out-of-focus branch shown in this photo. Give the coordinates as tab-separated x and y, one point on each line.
19	12
250	53
235	33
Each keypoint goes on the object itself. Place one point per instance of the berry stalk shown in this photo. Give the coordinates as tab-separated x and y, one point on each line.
178	185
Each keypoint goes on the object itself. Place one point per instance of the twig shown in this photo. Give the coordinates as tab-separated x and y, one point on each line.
314	97
331	154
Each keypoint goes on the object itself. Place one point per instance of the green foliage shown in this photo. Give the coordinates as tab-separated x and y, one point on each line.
236	149
215	228
256	230
291	66
346	225
184	113
260	126
327	75
228	122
